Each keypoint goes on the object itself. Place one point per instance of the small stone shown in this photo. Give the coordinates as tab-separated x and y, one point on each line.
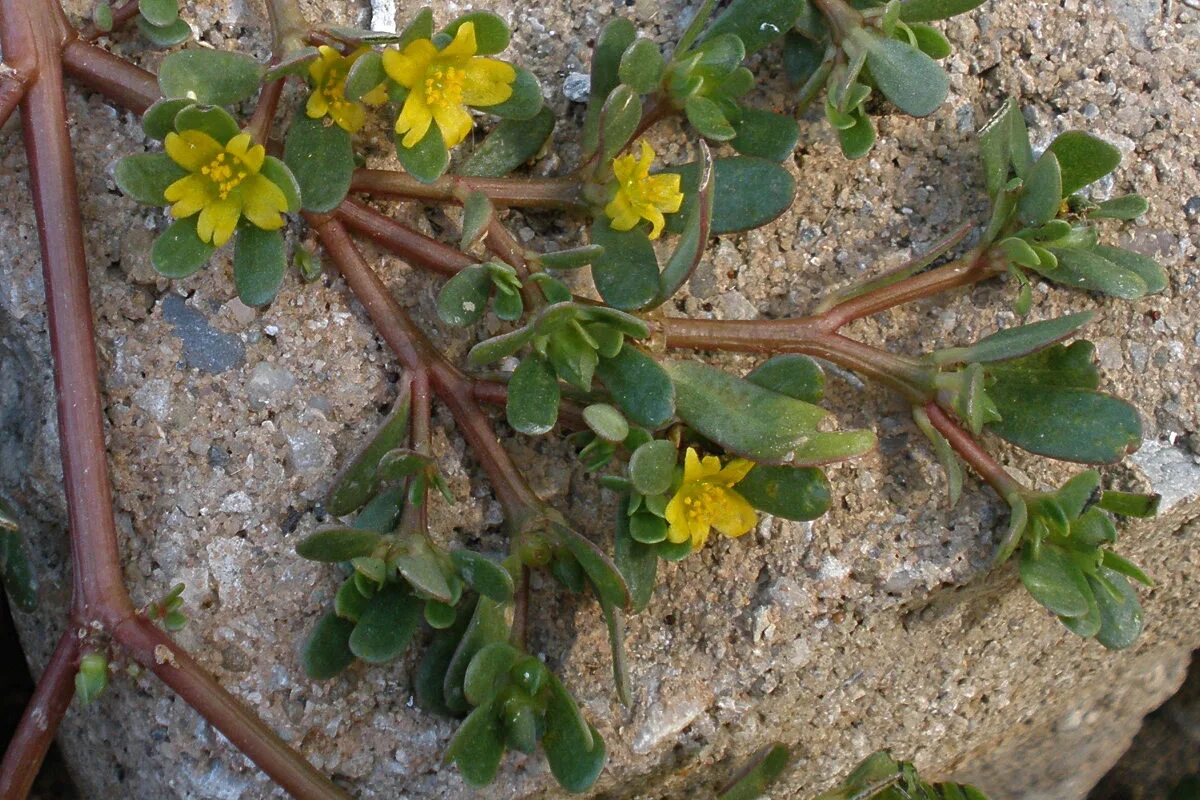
268	382
576	87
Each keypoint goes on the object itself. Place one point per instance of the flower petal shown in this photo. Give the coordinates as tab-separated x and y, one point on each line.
263	203
678	530
623	215
414	120
487	82
464	44
663	191
657	221
217	221
734	471
408	68
454	122
317	105
191	149
250	154
709	466
692	471
350	116
734	516
189	194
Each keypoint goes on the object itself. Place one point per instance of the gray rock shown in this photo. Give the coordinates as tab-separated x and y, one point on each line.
204	347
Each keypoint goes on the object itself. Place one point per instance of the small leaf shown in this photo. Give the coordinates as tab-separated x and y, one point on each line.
748	193
909	78
178	251
796	493
1153	275
639	386
165	36
277	173
102	17
144	177
213	120
16	572
791	374
641	66
331	545
606	422
1042	193
1127	207
1084	159
327	651
1120	619
484	575
1128	504
930	40
1058	365
489	623
349	603
857	139
626	274
422	568
928	10
694	237
478	745
431	673
358	482
707	117
491	31
296	62
765	134
463	299
606	580
1066	423
619	119
573	258
1055	581
1126	567
652	466
159	12
322	160
365	75
616	643
203	75
159	119
636	561
756	22
488	672
526	100
428	159
573	747
1089	269
615	38
533	397
259	263
1018	341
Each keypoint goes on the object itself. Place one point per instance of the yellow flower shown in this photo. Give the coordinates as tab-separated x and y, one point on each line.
706	499
224	184
640	195
442	83
328	97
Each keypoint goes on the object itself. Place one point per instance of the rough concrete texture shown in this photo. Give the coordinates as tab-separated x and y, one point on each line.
874	626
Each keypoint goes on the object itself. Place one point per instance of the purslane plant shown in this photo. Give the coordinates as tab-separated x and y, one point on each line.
683	445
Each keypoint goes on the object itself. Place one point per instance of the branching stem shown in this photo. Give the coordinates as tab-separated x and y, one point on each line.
560	193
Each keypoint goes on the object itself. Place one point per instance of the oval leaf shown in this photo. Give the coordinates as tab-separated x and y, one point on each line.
533	396
387	625
327	651
322	160
203	75
337	544
1055	581
796	493
639	386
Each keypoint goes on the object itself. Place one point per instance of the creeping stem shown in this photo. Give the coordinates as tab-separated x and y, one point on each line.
560	193
972	452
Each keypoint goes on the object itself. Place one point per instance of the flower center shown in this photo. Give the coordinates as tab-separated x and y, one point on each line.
444	86
703	502
333	87
226	171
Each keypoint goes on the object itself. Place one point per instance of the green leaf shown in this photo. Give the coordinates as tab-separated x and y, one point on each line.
498	347
606	422
1153	275
931	41
327	651
652	466
1084	159
1126	567
422	568
491	31
431	672
1042	193
16	573
573	747
927	10
526	100
639	386
619	119
615	38
387	625
215	77
428	159
359	480
1055	581
295	62
331	545
533	397
637	562
1129	504
1120	619
484	575
1015	342
349	603
144	177
606	580
749	193
488	672
909	78
626	274
1089	269
708	118
765	134
509	145
277	173
791	374
421	27
1066	423
366	73
1078	493
647	528
102	17
159	12
857	139
1093	528
159	119
573	258
213	120
758	776
1058	365
259	262
165	36
463	299
490	623
693	239
322	160
616	643
756	22
641	66
796	493
178	251
478	745
1004	144
1127	207
741	416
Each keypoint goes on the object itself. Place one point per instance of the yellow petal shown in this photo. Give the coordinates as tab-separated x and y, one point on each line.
734	471
692	471
320	67
676	517
414	120
622	214
664	191
263	203
657	221
350	117
189	194
735	516
463	45
488	82
317	106
408	68
250	154
645	159
376	97
709	466
191	149
454	122
217	221
624	168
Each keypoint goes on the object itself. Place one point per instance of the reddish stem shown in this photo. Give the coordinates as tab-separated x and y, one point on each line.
413	246
12	89
115	78
32	738
561	193
972	452
121	15
259	125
